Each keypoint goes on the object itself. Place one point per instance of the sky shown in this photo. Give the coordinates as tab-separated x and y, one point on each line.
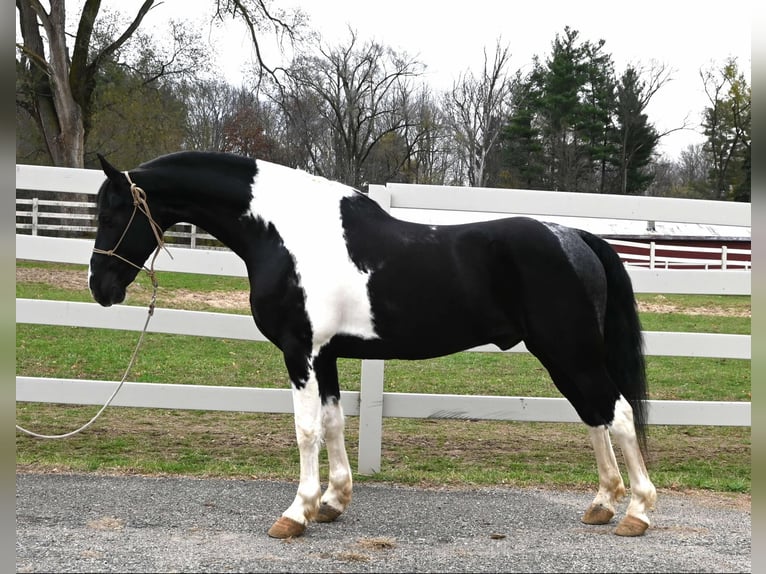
450	38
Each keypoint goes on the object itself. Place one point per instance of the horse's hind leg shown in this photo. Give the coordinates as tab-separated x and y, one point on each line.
610	486
619	419
611	489
643	495
600	406
338	494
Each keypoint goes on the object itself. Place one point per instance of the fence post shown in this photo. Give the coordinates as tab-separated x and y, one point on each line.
724	255
371	390
193	237
652	253
381	195
370	417
35	209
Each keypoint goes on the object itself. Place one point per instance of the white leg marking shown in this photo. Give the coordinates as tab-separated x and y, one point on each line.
308	431
338	493
642	492
610	486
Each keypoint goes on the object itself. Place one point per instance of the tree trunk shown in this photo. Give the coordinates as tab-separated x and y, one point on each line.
58	115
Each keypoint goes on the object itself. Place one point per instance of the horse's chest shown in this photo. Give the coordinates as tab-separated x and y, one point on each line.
335	293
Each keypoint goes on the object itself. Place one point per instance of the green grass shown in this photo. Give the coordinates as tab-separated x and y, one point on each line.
414	451
74	352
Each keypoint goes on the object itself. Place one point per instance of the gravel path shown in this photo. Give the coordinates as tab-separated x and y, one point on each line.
96	523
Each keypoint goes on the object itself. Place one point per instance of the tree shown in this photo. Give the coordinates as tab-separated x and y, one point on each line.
56	81
345	102
432	157
726	125
524	159
132	120
637	138
476	109
249	129
692	171
597	116
574	126
54	89
561	81
208	105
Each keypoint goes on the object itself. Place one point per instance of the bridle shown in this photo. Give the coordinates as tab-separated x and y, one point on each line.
139	204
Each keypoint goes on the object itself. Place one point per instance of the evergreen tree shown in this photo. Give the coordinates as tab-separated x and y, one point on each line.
563	77
523	158
637	138
598	110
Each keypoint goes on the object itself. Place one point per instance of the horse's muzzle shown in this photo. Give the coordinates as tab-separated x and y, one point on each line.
106	293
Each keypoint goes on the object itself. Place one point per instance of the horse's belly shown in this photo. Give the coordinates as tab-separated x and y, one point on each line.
424	343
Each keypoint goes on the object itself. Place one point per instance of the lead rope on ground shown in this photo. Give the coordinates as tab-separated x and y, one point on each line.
139	203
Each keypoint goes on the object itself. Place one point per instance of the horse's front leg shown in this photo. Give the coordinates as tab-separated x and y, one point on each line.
308	430
339	489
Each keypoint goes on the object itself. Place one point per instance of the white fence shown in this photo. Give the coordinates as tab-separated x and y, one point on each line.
70	218
371	403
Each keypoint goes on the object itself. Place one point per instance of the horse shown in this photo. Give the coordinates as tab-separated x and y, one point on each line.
333	275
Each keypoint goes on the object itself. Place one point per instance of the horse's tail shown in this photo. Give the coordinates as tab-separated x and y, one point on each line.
622	334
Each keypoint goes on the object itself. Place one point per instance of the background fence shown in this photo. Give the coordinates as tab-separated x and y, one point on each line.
65	217
371	403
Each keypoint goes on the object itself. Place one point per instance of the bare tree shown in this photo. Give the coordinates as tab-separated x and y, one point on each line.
476	110
261	18
431	158
344	102
637	137
208	105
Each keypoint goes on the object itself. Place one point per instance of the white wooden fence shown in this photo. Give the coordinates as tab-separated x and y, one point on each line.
371	403
71	218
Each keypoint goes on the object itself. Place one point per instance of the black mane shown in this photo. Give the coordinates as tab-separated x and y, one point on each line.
219	173
194	159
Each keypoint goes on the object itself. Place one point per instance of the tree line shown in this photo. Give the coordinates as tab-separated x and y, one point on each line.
359	111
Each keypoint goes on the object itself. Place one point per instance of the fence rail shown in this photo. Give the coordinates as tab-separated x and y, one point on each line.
647	255
34	220
371	403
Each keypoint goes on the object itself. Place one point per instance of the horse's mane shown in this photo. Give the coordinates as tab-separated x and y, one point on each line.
205	171
196	159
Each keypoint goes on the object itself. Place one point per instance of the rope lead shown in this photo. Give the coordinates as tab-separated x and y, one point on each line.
139	204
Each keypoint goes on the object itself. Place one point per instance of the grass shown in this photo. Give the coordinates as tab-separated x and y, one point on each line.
431	452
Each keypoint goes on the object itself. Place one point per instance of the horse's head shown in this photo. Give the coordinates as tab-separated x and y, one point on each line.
124	239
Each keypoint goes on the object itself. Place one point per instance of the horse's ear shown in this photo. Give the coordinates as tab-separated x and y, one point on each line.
111	172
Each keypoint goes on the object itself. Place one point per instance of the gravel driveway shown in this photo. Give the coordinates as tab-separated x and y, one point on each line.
96	523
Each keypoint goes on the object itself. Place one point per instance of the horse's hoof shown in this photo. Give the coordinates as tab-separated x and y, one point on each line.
597	514
327	513
631	526
286	528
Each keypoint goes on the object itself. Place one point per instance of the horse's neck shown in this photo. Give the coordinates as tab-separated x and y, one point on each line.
291	202
222	221
215	212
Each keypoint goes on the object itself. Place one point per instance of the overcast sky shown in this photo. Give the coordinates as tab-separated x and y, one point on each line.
450	38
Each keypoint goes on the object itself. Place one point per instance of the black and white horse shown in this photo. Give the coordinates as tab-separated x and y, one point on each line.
333	275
